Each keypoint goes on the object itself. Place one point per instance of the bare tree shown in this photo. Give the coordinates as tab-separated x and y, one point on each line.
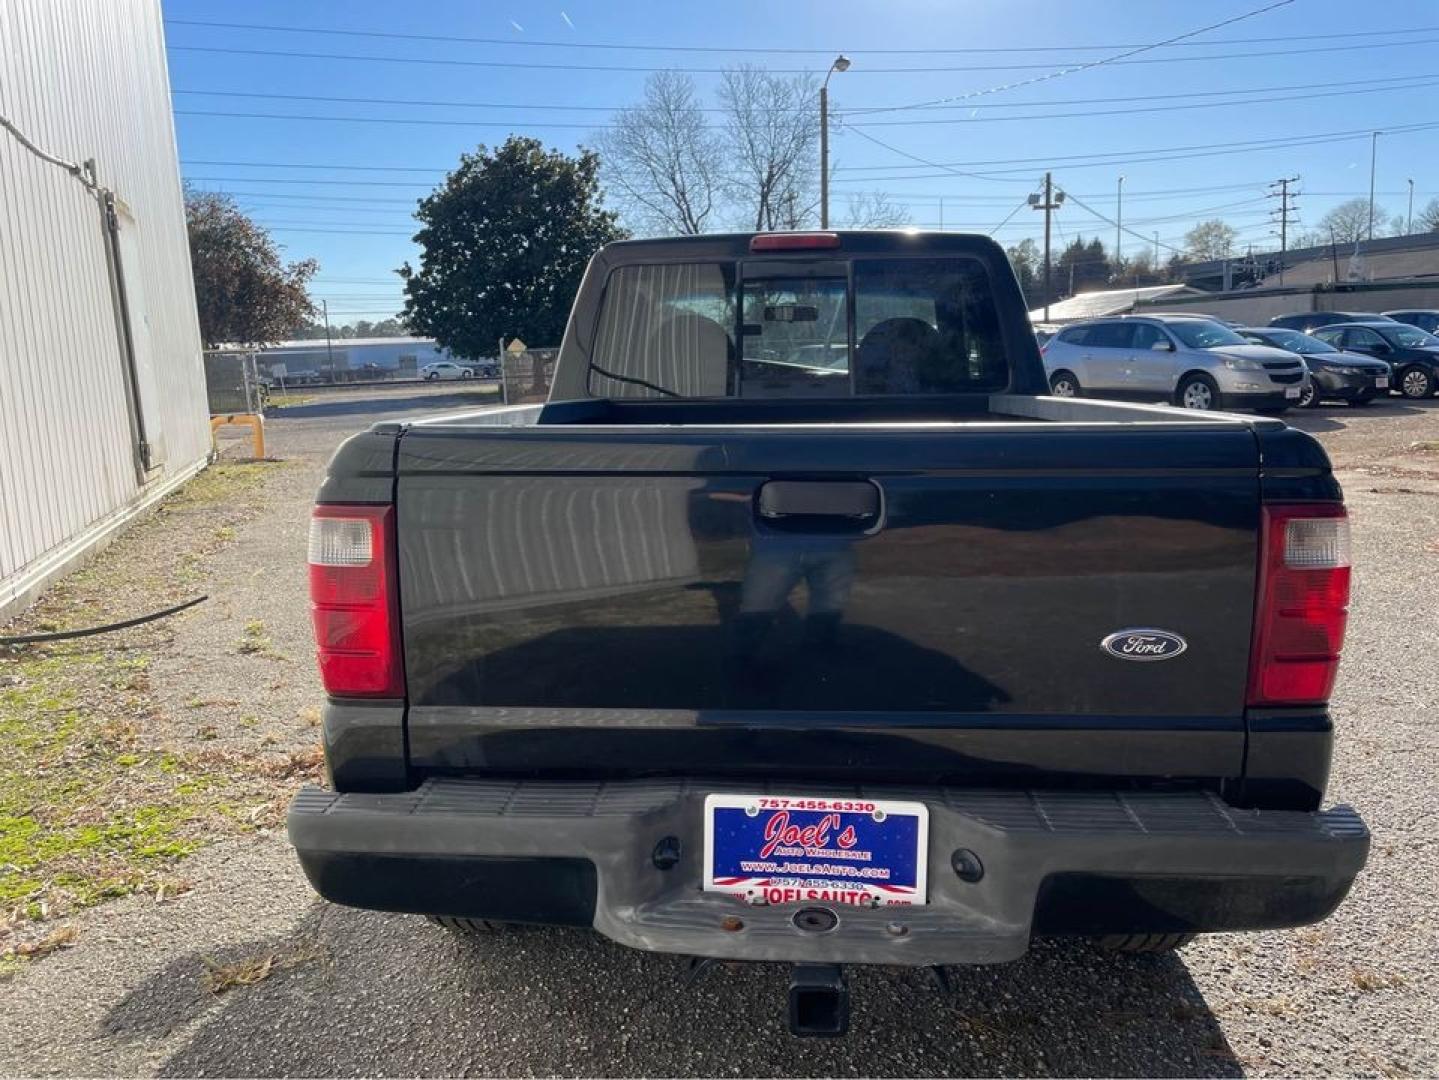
1349	221
1428	219
1211	239
661	160
874	211
773	139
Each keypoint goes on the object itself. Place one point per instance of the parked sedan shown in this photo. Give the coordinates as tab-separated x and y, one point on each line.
1350	377
1186	360
1306	322
1427	319
445	369
1413	354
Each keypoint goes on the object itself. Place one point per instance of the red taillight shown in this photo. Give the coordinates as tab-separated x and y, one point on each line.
1303	604
354	602
793	241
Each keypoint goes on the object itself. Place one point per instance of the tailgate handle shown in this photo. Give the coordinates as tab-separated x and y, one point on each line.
852	503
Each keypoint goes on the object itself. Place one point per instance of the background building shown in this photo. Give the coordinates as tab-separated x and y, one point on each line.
345	359
102	390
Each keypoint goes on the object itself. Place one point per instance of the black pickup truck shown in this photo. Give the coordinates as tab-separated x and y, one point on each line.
801	625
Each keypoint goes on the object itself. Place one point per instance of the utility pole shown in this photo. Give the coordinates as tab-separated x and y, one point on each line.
841	63
329	349
1119	222
1410	227
1286	207
1051	202
1156	251
1373	157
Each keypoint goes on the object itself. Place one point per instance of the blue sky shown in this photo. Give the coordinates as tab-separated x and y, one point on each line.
1325	76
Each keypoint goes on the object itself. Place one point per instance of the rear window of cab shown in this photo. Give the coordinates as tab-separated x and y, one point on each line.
796	329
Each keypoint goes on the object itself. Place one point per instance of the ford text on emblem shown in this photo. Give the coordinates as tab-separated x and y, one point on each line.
1144	644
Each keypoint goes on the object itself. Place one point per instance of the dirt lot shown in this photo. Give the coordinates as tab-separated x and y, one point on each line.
156	923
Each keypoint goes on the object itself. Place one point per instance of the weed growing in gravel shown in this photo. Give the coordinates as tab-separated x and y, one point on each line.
255	638
220	977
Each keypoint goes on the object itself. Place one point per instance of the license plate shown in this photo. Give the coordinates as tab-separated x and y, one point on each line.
1382	382
777	849
1291	392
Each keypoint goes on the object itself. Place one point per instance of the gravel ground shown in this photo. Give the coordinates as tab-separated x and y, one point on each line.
354	992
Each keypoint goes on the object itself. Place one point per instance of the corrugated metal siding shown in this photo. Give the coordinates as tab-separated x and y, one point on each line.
86	80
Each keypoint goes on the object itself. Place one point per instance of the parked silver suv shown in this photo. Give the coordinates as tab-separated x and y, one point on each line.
1186	360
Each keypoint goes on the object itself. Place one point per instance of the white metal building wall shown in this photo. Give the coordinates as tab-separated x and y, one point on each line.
87	80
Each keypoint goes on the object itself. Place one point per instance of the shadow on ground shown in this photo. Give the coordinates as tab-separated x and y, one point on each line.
380	403
1333	416
376	994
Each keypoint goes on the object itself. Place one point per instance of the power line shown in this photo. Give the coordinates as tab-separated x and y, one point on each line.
312	197
312	165
865	110
1152	193
1249	144
1113	158
1126	57
297	180
1022	204
1268	54
341	232
1125	228
923	161
850	111
625	47
1412	82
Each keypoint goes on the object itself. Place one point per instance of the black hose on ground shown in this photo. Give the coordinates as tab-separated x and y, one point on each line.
89	631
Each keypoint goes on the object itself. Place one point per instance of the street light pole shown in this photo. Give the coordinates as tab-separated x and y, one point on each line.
841	63
1119	224
1373	156
1410	227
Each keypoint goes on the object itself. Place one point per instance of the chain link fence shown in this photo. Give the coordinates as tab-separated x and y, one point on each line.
525	376
233	382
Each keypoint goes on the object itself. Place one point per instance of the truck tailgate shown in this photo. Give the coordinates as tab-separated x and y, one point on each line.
933	597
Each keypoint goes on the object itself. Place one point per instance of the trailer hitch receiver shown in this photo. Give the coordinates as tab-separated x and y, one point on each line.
818	1001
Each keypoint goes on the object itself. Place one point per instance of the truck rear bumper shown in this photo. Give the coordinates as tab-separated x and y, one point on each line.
1053	863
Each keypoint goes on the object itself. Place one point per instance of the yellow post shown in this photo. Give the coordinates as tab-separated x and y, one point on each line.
254	421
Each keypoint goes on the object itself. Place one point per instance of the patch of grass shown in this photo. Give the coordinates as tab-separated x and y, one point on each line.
220	483
91	807
85	815
255	638
287	401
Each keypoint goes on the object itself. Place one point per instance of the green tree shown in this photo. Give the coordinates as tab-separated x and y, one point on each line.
244	293
1081	267
504	242
1212	239
1028	266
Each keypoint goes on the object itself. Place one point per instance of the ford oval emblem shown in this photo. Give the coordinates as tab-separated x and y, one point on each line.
1144	644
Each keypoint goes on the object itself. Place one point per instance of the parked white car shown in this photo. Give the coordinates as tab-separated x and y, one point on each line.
445	369
1192	361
